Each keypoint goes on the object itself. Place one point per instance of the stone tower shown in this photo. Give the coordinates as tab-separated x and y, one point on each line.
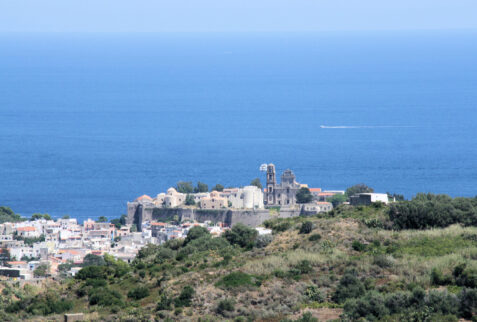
271	183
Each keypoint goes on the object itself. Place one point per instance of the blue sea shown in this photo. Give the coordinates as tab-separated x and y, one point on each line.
91	121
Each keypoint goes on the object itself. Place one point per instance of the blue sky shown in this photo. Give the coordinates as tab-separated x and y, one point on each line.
234	15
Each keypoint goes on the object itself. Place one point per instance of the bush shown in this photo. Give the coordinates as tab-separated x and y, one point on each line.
306	227
468	303
358	246
349	287
437	278
313	293
104	297
99	272
314	237
241	235
196	233
277	225
263	240
225	306
234	280
382	261
165	303
138	293
185	298
370	306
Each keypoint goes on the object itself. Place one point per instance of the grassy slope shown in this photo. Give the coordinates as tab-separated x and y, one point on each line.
391	261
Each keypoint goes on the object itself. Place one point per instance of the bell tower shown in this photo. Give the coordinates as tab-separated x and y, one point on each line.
271	184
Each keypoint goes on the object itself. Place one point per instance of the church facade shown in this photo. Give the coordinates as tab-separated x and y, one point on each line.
283	193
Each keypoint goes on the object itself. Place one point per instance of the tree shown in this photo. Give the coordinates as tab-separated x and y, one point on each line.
116	222
93	260
241	235
189	200
306	227
7	215
66	217
304	195
185	187
218	187
133	228
41	271
122	219
337	199
201	187
195	233
102	219
256	182
358	188
37	216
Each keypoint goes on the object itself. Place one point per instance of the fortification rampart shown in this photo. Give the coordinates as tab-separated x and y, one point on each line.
249	217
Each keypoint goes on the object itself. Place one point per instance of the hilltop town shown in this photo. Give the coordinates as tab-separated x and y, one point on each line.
41	247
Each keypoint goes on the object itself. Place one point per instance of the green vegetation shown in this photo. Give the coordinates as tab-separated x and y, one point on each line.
201	187
29	240
358	188
184	187
304	195
40	216
189	200
351	264
256	182
217	187
7	215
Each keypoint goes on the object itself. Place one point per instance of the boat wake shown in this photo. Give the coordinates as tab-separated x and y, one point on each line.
362	126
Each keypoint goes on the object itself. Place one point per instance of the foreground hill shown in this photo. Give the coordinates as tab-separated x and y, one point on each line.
352	263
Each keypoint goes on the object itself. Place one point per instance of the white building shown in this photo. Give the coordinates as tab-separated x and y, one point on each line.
368	198
249	197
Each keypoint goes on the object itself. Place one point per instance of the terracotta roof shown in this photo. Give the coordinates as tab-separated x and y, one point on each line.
26	228
327	194
315	189
16	263
143	197
158	224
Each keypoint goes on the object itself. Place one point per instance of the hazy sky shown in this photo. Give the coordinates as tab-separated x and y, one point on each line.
234	15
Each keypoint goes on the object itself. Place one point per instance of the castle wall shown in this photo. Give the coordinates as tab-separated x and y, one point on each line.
230	217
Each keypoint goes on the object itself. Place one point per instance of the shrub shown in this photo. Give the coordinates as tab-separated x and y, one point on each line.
235	279
104	297
99	272
138	293
313	293
277	225
263	241
314	237
307	317
196	233
165	303
358	246
306	227
185	298
396	302
382	261
93	260
225	306
370	306
349	287
468	303
241	235
437	278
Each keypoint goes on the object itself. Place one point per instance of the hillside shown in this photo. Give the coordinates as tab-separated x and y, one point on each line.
351	263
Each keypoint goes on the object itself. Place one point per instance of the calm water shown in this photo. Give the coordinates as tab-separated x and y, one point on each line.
88	122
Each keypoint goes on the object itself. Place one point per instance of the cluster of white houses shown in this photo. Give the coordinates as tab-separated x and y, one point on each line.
30	244
239	198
